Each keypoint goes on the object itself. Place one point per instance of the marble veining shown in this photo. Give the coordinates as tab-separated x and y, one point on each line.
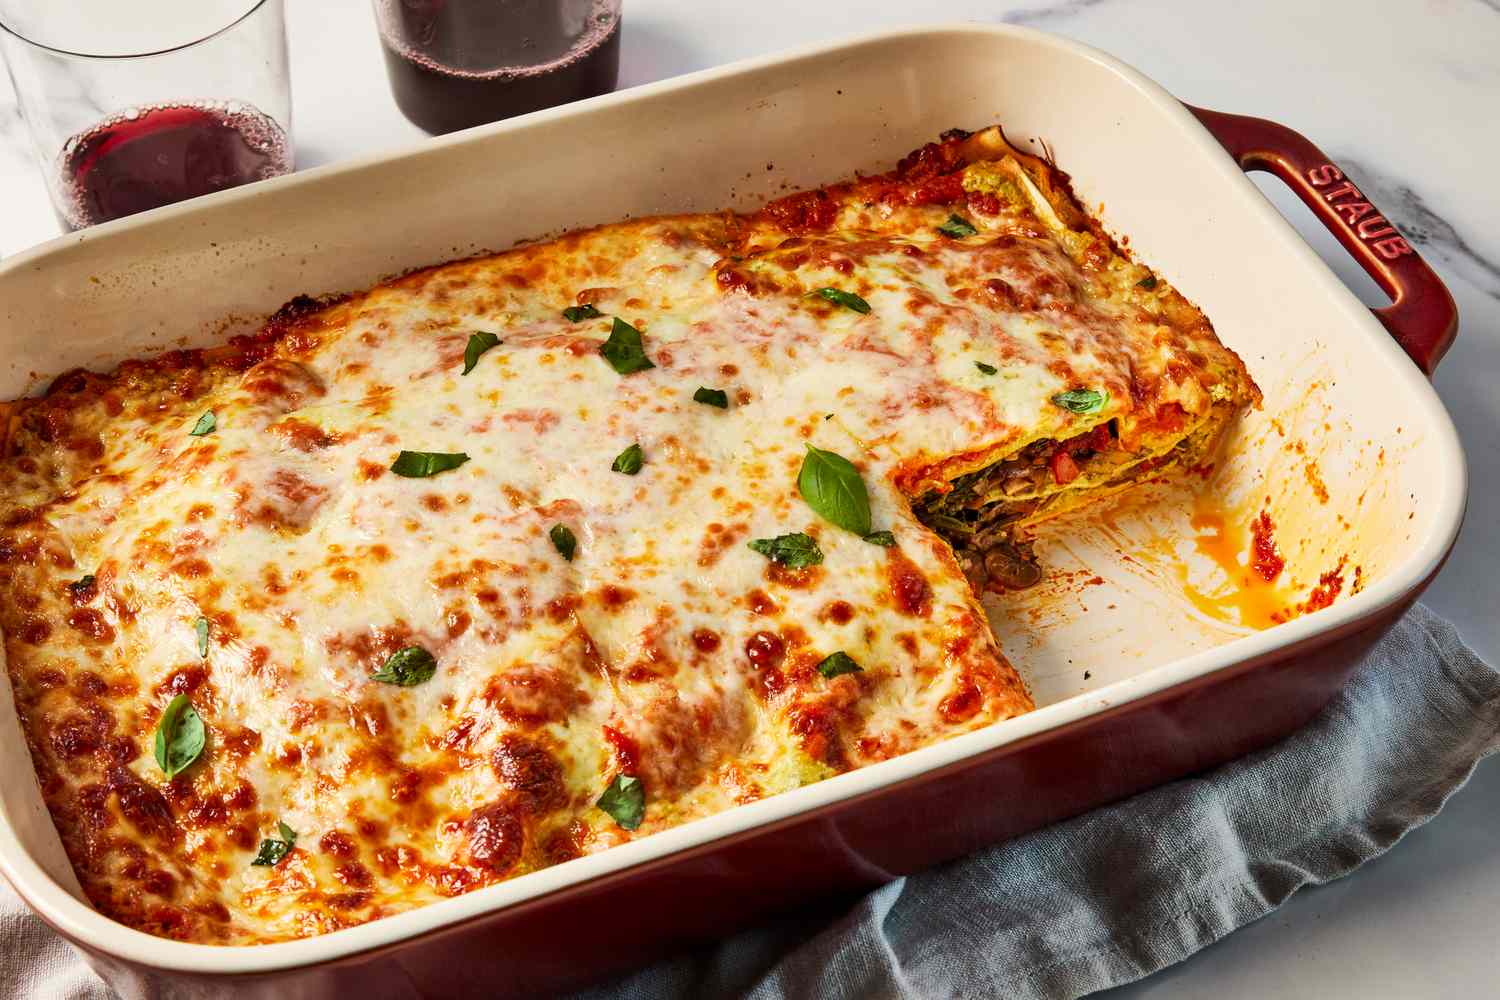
1435	237
1043	15
12	128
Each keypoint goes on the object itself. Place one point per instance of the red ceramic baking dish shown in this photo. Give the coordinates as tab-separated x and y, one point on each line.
1352	455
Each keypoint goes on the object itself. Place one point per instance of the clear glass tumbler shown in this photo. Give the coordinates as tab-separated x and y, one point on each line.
458	63
133	104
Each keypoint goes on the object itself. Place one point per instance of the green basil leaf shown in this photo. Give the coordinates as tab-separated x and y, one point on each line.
792	551
846	299
201	627
1148	282
712	397
407	667
957	227
987	369
478	344
81	584
625	800
272	850
179	736
421	464
630	460
832	487
576	314
839	663
1081	400
563	541
623	350
882	538
205	425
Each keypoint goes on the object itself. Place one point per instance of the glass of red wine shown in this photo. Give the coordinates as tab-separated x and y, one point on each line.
454	64
135	104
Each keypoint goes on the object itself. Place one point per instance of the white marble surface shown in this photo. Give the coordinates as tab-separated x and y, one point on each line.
1403	93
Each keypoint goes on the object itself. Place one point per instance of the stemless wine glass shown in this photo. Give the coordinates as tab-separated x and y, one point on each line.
457	63
133	105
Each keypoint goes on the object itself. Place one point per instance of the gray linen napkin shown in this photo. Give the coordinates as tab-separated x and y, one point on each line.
1097	901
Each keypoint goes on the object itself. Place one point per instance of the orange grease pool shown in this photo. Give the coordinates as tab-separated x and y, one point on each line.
1251	563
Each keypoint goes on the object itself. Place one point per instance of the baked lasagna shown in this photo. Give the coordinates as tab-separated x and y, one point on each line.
514	559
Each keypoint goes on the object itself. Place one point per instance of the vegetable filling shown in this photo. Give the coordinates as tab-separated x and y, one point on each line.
979	514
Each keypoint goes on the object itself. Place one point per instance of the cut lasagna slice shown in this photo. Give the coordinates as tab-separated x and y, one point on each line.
518	558
1067	372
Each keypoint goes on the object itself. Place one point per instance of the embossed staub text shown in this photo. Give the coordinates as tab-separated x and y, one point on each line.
1358	214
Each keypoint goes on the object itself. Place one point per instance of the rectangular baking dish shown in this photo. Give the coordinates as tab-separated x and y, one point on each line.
1352	455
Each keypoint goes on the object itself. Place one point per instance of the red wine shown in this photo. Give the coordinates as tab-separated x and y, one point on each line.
161	154
454	64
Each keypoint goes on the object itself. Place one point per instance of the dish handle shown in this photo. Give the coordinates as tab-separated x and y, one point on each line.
1422	316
